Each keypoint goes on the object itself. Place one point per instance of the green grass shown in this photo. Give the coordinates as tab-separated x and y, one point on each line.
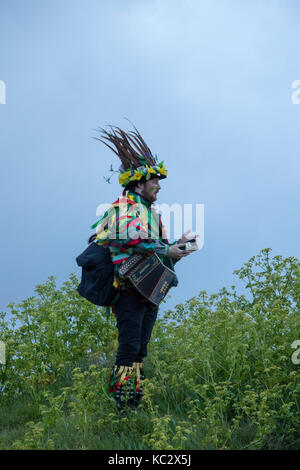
13	419
72	433
219	371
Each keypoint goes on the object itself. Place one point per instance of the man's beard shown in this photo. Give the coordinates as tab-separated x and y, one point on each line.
150	196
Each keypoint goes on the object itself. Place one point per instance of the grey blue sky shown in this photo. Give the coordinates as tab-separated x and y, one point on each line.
208	84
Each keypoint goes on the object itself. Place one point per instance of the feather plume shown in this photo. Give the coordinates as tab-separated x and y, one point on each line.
130	147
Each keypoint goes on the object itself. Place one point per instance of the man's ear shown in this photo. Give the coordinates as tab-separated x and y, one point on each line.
140	186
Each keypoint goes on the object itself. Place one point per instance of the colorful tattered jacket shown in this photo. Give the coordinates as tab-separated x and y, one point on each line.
132	225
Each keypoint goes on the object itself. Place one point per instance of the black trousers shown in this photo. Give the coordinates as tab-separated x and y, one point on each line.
135	321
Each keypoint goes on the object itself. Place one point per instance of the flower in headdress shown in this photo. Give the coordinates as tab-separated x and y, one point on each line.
143	169
123	177
137	175
152	170
163	170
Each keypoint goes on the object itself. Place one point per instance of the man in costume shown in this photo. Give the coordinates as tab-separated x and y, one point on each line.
130	226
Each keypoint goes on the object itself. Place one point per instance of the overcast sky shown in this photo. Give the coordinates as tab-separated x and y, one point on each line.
208	84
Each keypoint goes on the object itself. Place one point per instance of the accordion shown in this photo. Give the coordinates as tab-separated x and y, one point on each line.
151	278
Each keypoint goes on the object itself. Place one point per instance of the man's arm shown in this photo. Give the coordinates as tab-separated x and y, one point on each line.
161	249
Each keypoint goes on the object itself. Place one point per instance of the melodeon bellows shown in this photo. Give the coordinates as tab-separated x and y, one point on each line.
149	276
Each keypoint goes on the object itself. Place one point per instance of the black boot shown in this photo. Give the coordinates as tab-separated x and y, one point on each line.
136	391
120	399
120	378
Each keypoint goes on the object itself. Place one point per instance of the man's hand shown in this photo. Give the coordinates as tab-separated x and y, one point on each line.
176	253
185	237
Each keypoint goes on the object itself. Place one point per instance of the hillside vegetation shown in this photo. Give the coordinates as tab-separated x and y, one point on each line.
221	371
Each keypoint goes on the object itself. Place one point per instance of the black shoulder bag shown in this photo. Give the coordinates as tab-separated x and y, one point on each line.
97	275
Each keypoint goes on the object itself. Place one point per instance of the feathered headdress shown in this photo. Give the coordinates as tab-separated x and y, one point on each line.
138	163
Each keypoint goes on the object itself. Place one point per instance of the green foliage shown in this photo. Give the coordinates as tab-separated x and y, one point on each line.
219	372
50	332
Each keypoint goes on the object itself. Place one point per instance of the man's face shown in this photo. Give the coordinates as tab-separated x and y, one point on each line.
150	188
